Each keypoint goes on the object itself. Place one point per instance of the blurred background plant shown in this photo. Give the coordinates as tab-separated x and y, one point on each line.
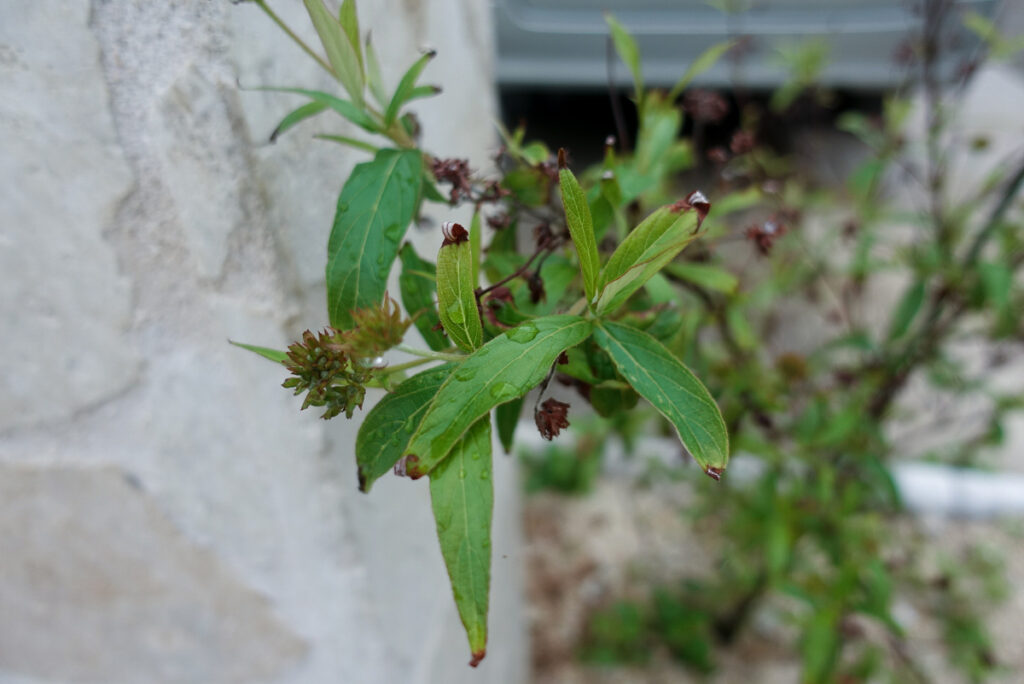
783	309
786	311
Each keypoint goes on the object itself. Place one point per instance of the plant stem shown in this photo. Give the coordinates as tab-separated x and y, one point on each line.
996	217
427	354
407	365
291	34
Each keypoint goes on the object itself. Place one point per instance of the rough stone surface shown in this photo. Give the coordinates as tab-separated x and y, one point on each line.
63	177
88	560
152	475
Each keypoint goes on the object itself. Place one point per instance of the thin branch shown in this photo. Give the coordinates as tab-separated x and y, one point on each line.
298	41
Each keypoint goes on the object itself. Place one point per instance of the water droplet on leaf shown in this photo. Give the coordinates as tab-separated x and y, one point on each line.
504	391
465	373
454	312
523	333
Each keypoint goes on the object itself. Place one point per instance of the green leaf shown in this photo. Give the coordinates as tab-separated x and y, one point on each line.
341	52
374	210
386	430
707	59
349	21
475	240
997	283
462	496
505	368
907	310
275	355
651	245
456	301
373	77
405	87
348	110
417	286
581	228
672	389
628	52
506	416
351	142
423	91
705	275
296	115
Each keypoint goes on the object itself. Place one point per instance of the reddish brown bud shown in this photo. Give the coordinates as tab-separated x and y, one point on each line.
718	155
713	472
536	285
764	235
499	221
742	142
454	233
704	105
456	172
551	418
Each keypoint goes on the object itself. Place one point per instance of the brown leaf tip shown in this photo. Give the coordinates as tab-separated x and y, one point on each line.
714	473
454	233
698	201
362	480
551	418
562	160
477	657
407	466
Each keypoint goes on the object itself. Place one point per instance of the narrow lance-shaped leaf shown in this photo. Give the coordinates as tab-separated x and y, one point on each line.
651	245
672	389
416	284
341	53
373	77
297	115
705	275
504	369
351	142
475	240
705	61
275	355
456	300
348	110
406	86
462	496
907	310
581	226
628	51
375	208
349	20
386	430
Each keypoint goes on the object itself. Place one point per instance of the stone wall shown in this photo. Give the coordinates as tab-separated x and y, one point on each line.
166	513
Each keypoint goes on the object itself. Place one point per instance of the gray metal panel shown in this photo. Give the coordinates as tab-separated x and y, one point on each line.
563	42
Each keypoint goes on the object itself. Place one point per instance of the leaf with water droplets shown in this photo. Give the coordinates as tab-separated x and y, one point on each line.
502	369
456	300
663	380
462	497
386	430
375	208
